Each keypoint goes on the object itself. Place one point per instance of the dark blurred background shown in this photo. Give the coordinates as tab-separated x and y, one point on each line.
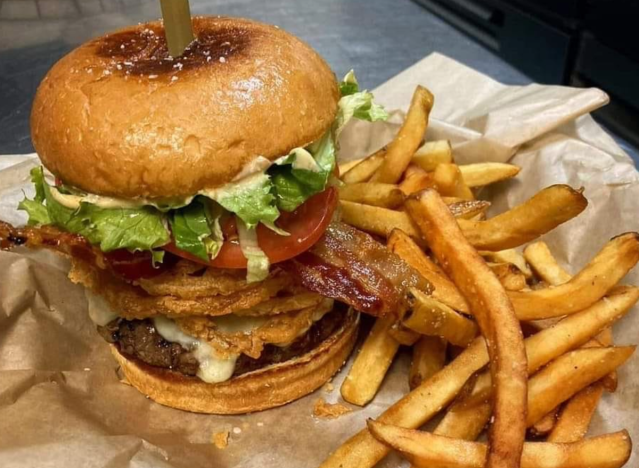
572	42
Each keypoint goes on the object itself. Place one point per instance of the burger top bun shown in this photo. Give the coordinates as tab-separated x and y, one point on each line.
119	117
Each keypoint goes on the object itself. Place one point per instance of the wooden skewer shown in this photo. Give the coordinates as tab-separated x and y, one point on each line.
177	25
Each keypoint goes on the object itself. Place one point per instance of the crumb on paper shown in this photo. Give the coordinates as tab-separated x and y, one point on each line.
237	430
329	387
324	410
221	439
260	424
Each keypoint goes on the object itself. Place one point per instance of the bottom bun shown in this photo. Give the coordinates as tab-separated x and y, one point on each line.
262	389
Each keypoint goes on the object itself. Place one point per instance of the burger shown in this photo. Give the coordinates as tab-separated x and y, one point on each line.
196	197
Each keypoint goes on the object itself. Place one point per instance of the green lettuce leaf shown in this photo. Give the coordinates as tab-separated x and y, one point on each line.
114	228
190	228
257	262
35	208
356	104
349	84
37	212
251	199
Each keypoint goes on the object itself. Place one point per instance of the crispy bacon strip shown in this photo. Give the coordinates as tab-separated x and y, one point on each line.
346	264
50	237
350	266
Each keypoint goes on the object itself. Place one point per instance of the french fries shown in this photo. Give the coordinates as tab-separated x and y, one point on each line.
364	169
427	450
413	410
410	135
545	424
542	261
371	364
539	256
574	419
404	336
496	318
467	209
450	183
344	167
464	422
543	212
509	276
377	220
509	256
568	374
422	202
385	195
429	356
415	180
611	264
430	317
433	153
570	333
477	175
445	290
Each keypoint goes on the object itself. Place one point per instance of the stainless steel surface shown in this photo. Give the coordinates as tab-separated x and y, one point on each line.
377	38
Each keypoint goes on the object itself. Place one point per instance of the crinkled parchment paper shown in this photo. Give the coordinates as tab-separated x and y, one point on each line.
61	403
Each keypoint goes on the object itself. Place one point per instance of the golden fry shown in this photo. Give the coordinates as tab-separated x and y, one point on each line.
545	424
480	174
542	261
427	450
570	333
404	336
416	180
429	356
546	266
410	135
464	422
467	209
365	169
377	220
450	183
568	374
574	419
430	317
445	290
509	276
509	256
492	309
371	193
611	264
413	410
542	213
371	364
346	166
433	153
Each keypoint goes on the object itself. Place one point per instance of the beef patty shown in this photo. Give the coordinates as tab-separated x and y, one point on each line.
138	339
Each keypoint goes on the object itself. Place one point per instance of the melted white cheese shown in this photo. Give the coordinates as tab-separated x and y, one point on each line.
213	369
99	311
237	324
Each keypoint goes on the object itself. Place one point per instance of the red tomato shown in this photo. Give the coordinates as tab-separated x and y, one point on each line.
136	265
305	225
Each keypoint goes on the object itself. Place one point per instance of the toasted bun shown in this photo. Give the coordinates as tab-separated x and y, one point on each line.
265	388
119	117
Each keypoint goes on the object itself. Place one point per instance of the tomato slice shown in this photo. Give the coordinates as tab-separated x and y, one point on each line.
305	225
135	265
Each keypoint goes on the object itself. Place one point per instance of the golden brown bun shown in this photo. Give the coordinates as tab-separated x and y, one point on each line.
119	117
266	388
